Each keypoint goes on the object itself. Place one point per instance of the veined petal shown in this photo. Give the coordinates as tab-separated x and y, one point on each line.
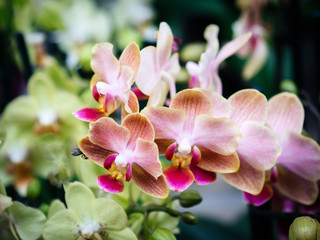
147	183
214	162
179	179
93	151
300	155
285	112
170	151
132	104
131	57
147	77
259	146
106	133
108	183
167	123
221	106
248	105
219	135
295	187
232	47
104	63
247	178
147	157
193	103
261	198
89	114
164	44
202	177
163	145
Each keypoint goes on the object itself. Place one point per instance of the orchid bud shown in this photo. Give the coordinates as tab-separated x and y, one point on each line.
34	188
189	198
189	218
162	234
304	228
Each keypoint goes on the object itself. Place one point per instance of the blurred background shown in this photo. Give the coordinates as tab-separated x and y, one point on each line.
53	39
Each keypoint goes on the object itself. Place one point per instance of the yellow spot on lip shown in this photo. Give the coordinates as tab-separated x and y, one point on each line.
118	173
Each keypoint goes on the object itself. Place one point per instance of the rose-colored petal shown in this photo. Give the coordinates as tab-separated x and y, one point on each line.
196	155
147	157
140	95
167	123
220	135
170	151
285	113
164	44
295	187
202	177
89	114
221	106
109	160
104	63
193	103
147	77
248	104
300	155
131	57
232	47
139	127
108	183
129	173
96	153
95	93
214	162
147	183
133	104
259	146
261	198
163	145
109	135
247	178
179	179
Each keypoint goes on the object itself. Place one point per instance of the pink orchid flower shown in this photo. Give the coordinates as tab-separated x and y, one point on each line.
159	69
298	167
112	81
259	147
126	151
197	144
205	73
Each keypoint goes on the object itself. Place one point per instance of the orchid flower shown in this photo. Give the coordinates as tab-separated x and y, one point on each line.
205	73
159	69
126	151
197	144
86	217
259	147
111	83
297	170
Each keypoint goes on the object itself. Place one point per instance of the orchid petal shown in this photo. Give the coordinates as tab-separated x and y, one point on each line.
178	178
261	198
159	94
93	151
139	127
196	155
295	187
106	133
285	113
202	177
110	103
211	35
129	173
109	160
108	183
259	146
95	93
193	103
171	151
132	104
214	162
104	63
248	104
147	157
221	106
140	95
193	68
147	77
247	178
220	135
163	145
164	44
147	183
215	82
89	114
131	57
232	47
300	155
125	80
173	66
167	123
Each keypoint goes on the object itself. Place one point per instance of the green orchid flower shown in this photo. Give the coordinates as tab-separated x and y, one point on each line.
86	217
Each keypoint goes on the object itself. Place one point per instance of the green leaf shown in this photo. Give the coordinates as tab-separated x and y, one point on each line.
55	206
27	221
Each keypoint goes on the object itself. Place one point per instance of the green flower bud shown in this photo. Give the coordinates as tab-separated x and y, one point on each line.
189	218
162	234
34	188
288	86
304	228
189	198
44	207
